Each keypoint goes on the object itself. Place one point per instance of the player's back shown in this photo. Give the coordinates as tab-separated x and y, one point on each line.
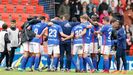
53	34
106	34
77	30
37	29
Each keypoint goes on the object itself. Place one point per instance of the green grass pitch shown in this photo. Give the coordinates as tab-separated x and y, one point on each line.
55	73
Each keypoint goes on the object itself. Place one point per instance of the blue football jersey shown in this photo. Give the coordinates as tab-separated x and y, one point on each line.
106	34
76	31
38	28
93	37
86	37
54	34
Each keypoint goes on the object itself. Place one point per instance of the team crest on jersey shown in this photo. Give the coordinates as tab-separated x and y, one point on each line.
67	25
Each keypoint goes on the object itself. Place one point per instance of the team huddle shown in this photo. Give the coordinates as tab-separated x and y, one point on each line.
86	39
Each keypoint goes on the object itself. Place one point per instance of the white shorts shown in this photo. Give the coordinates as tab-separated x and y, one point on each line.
25	47
77	48
35	47
86	48
112	52
53	49
42	49
93	47
105	49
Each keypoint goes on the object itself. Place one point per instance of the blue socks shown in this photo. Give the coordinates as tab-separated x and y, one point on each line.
48	61
55	60
94	60
88	60
106	64
84	64
37	62
31	60
23	62
81	63
74	63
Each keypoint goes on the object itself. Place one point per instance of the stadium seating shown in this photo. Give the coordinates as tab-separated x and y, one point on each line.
4	1
34	2
15	2
10	8
25	2
24	17
2	8
39	9
19	8
5	16
30	9
15	16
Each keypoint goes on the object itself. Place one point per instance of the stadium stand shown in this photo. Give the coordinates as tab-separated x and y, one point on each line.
10	8
4	1
20	10
15	2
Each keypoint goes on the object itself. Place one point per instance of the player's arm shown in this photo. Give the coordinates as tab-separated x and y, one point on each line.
56	21
63	35
99	24
43	33
81	34
68	37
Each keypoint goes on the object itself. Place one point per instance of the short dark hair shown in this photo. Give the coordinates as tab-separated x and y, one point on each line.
14	21
4	26
106	18
42	17
67	16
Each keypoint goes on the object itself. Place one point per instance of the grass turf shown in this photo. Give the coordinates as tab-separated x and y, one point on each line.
55	73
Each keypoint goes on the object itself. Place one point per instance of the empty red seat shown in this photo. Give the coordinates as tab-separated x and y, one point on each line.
5	16
30	9
24	17
15	2
19	24
24	2
19	8
4	1
2	8
9	8
15	16
8	23
34	2
39	9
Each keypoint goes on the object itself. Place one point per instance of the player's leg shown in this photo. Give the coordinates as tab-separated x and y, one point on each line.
56	56
2	56
31	57
62	50
74	51
80	55
106	51
88	59
12	52
124	62
7	61
50	50
25	51
37	56
68	56
94	48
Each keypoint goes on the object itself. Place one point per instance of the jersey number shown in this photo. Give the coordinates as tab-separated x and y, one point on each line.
109	37
52	33
78	32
